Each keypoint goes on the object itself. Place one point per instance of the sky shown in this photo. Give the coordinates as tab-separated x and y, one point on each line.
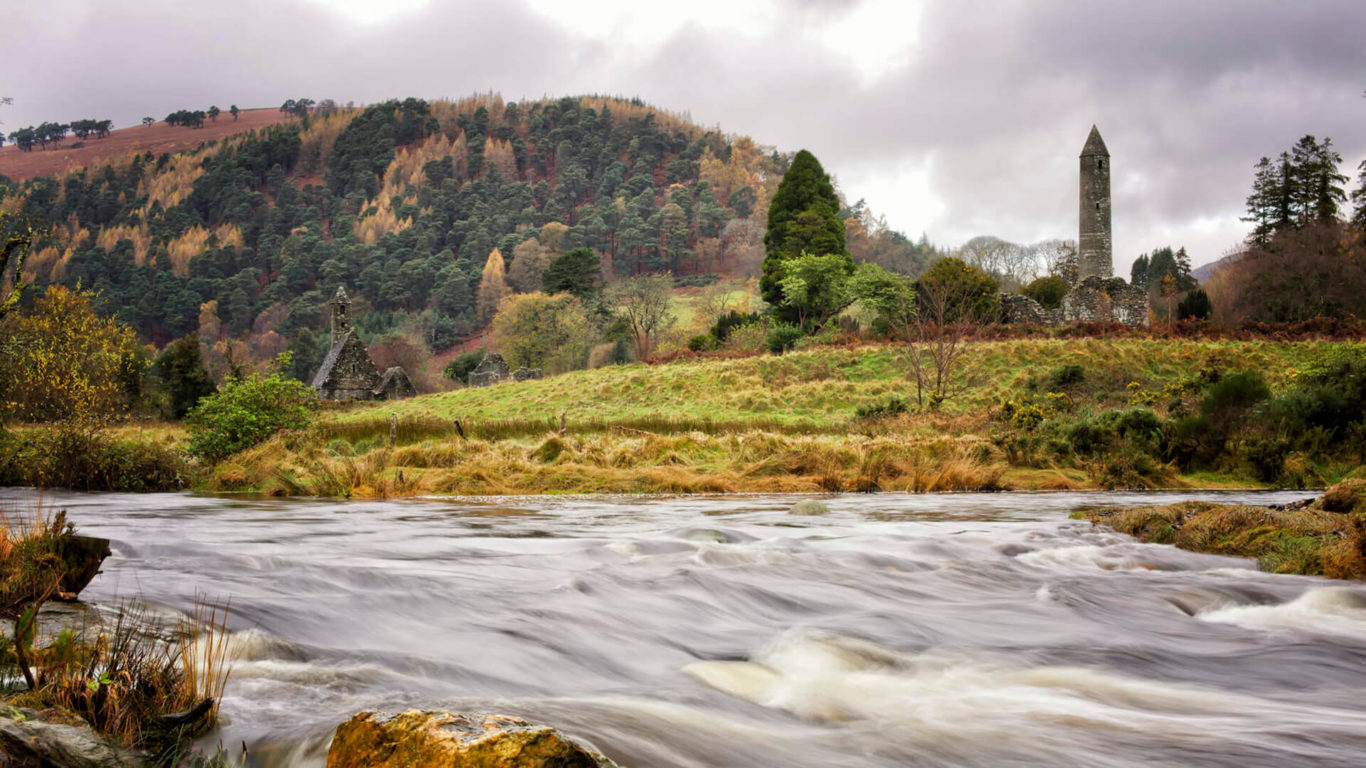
950	118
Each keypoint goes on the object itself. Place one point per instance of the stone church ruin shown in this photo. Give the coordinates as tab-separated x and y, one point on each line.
348	372
1097	296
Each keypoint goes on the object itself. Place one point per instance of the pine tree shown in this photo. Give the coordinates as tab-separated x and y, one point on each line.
1138	274
492	288
1261	204
183	376
1359	199
802	217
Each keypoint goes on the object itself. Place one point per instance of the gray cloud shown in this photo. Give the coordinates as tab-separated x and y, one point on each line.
997	98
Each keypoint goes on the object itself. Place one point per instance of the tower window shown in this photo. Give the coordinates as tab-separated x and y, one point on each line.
1097	206
1100	164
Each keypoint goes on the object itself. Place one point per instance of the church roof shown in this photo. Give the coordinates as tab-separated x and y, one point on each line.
325	370
1095	145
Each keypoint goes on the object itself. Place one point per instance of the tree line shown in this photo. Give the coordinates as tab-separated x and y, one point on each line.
47	133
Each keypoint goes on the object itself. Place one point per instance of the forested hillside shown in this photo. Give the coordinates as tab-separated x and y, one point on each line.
243	240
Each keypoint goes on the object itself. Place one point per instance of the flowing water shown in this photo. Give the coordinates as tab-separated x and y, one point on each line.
945	630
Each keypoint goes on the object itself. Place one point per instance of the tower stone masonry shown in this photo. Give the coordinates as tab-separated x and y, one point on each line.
1094	256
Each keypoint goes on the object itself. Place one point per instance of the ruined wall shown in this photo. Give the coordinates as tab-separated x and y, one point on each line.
1097	300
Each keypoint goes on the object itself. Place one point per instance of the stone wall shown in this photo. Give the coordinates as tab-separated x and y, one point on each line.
493	369
1098	300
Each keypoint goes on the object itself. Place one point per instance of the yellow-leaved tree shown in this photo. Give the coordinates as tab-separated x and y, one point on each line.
62	362
540	331
493	287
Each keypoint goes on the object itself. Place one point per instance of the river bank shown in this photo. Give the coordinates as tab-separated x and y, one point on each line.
1324	536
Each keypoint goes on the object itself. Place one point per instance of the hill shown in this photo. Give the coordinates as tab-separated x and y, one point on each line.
243	240
158	139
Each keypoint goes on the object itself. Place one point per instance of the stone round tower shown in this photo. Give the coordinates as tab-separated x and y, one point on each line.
1093	241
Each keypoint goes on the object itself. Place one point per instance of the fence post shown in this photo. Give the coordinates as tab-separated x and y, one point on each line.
393	429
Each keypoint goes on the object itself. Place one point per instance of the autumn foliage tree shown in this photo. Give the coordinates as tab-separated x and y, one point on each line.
541	331
63	362
493	287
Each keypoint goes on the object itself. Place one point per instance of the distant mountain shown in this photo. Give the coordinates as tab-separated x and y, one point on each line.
1204	272
243	239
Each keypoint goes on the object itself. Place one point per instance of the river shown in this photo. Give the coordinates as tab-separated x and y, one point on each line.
934	630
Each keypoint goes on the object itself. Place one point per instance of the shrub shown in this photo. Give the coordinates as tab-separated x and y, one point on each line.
1048	291
730	321
894	406
247	411
458	369
703	343
1063	377
782	338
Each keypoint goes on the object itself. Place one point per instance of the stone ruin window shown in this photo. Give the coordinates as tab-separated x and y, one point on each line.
1097	206
1100	163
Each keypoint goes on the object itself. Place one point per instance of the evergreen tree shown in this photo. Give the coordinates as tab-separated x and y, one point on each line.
803	217
575	272
1138	274
1359	199
183	377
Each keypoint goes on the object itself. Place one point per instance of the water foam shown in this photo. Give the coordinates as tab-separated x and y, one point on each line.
948	698
1336	611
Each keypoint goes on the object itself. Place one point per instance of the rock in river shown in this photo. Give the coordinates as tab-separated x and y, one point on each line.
417	739
26	741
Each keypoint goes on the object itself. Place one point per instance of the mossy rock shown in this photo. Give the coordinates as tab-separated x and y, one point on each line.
1347	496
439	739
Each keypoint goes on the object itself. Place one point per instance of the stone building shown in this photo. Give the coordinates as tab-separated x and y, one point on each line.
1099	296
348	373
1093	240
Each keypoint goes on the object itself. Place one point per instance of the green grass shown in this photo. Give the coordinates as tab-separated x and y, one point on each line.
822	387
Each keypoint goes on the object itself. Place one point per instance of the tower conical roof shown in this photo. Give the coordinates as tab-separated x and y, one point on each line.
1095	145
340	297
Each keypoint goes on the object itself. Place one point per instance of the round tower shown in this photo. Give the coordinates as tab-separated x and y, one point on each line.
341	322
1093	240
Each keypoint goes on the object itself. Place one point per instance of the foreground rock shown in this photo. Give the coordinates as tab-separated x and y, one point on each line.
416	739
28	742
1319	537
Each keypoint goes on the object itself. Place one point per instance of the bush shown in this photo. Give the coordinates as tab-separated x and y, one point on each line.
458	369
730	321
247	411
782	338
67	457
1048	291
1063	377
695	281
703	343
894	406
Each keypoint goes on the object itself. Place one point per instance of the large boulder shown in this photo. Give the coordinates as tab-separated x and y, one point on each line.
439	739
28	742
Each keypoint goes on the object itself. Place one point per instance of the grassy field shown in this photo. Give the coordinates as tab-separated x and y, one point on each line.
824	386
757	424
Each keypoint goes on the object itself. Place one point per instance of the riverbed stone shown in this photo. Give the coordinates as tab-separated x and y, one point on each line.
809	507
440	739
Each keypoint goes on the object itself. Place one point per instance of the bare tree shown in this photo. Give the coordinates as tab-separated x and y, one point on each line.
643	302
937	338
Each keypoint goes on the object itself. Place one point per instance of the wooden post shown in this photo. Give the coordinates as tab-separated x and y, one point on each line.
393	429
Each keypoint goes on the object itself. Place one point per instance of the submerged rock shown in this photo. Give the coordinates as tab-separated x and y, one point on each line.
435	738
28	742
809	507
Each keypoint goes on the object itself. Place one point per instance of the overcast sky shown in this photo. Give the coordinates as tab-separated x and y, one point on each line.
951	118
